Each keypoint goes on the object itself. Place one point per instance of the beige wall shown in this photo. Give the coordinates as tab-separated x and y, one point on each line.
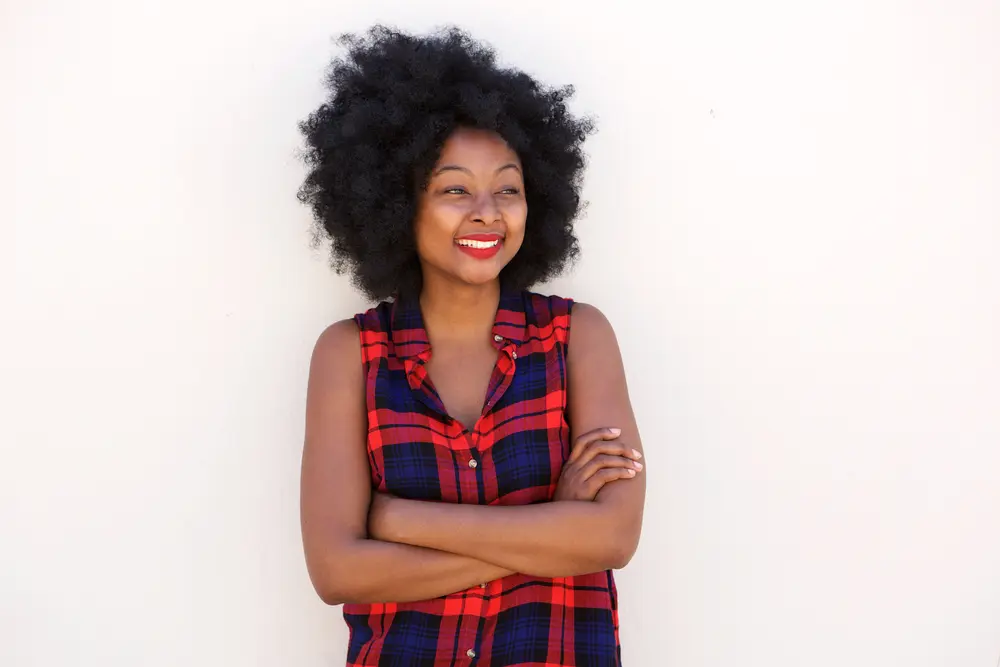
794	225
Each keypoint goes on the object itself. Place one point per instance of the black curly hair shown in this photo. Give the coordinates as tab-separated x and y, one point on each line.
394	98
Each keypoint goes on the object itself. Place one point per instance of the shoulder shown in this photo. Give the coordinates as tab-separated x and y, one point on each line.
588	316
591	329
552	306
337	346
345	340
356	339
592	333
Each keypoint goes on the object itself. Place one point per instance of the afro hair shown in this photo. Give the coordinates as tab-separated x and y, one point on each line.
393	100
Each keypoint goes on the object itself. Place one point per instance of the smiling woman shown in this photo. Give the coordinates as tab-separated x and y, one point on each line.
470	479
471	205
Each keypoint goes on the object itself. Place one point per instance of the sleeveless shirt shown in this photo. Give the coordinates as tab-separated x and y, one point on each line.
512	456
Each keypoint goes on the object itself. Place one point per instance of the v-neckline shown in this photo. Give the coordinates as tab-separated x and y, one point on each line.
496	378
412	347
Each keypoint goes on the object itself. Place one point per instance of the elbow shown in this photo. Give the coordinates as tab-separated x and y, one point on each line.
620	530
330	596
334	589
621	548
622	541
334	597
620	556
336	581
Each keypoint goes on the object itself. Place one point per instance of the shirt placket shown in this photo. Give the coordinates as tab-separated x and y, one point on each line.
501	379
470	633
503	373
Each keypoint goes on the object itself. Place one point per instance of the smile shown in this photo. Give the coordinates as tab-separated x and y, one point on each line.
482	245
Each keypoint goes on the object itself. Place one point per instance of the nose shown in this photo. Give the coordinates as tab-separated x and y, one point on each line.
486	210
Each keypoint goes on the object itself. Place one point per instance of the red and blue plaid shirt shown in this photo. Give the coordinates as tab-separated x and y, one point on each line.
513	456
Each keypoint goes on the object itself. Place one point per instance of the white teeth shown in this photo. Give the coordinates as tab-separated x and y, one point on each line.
477	244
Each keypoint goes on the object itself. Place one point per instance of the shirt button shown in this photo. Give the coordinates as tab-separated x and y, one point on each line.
473	463
498	338
482	585
514	354
470	653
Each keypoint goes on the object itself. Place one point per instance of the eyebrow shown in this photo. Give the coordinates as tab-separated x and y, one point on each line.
455	167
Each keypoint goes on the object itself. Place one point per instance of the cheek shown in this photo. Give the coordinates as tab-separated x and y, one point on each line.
516	217
432	224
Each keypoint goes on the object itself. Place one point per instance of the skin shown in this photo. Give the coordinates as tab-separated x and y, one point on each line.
368	547
476	187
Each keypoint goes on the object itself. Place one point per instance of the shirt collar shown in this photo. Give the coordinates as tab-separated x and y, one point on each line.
409	338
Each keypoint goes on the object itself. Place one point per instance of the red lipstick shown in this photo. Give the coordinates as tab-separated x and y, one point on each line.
480	246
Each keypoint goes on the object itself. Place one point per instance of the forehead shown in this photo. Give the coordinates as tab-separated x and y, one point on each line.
470	147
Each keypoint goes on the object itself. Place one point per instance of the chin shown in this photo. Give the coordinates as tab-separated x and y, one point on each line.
479	280
483	276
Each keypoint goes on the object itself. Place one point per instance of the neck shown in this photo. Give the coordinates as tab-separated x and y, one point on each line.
455	313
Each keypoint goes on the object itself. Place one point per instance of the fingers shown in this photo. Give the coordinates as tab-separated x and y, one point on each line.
587	440
606	448
606	461
606	476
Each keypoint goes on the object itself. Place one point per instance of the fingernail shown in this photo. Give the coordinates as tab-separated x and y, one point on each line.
615	431
638	466
637	453
631	473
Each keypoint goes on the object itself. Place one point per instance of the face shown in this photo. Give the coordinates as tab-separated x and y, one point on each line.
470	219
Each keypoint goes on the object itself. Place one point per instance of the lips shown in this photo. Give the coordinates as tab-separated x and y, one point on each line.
480	246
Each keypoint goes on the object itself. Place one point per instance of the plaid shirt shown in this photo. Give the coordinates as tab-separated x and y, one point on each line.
513	456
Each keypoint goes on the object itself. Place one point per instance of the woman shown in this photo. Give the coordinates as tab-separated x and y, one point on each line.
471	470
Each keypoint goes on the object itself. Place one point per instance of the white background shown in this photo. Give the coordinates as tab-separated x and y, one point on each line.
794	225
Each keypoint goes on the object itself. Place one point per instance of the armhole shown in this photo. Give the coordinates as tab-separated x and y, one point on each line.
368	355
562	319
564	307
372	336
359	322
368	352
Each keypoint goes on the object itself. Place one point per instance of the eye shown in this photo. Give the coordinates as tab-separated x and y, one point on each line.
455	191
510	191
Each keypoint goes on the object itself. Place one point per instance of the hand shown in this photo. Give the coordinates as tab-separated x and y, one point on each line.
595	461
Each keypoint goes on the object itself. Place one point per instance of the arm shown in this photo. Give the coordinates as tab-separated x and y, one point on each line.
560	538
344	565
